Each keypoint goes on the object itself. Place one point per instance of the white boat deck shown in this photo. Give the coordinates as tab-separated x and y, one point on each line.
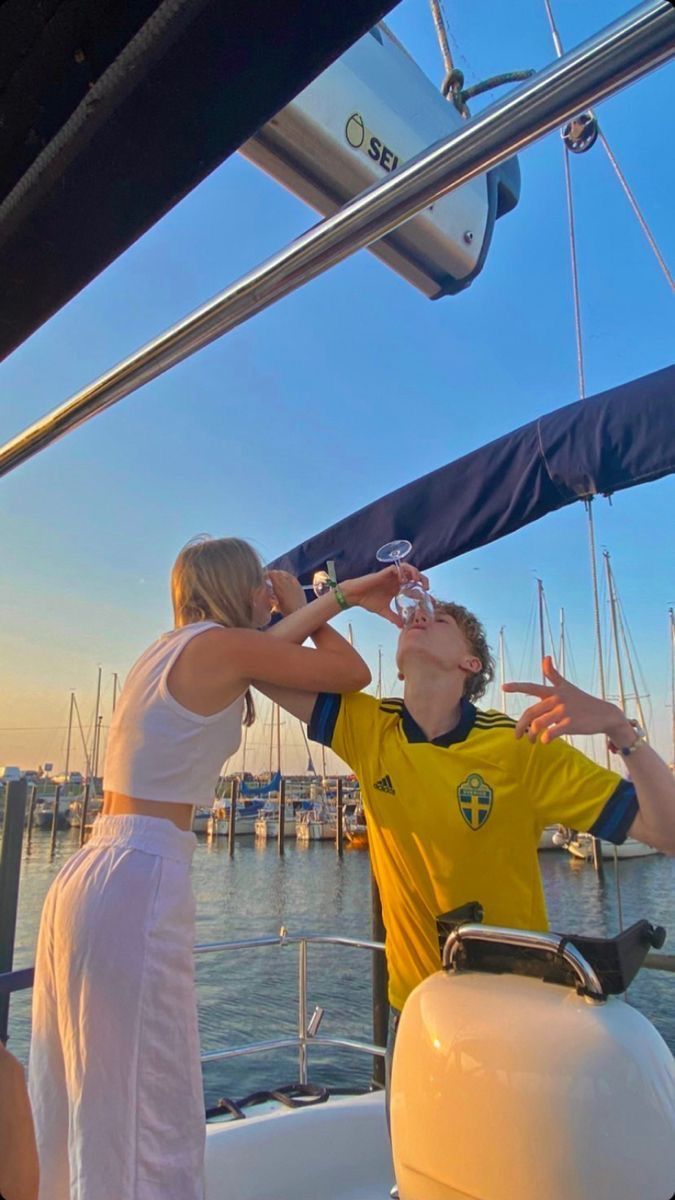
338	1150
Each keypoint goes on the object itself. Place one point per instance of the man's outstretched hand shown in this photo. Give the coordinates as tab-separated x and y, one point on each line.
563	708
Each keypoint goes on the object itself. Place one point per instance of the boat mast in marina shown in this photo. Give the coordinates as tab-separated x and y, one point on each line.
619	631
93	757
66	772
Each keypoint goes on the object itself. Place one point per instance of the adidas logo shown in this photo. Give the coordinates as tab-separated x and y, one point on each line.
385	785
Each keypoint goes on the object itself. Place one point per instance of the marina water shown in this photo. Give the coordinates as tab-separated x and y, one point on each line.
251	994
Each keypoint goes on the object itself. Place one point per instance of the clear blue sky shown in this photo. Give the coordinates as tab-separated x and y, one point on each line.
341	392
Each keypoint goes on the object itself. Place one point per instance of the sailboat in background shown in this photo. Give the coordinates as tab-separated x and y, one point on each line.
58	789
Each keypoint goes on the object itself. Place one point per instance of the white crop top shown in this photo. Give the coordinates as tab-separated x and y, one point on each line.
158	750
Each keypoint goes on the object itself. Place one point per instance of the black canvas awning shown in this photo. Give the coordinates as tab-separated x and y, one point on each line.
615	440
112	110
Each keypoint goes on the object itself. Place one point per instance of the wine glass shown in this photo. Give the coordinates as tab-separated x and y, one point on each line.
411	595
321	583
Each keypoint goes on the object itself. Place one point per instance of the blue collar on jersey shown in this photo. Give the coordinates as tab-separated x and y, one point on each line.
459	734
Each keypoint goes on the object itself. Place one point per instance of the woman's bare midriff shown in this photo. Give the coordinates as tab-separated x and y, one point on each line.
117	805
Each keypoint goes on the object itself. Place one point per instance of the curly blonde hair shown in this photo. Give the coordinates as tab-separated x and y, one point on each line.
474	634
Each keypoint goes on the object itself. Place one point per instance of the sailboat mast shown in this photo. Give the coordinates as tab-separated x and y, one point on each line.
243	753
596	612
115	686
70	730
596	601
278	739
542	642
629	660
615	629
562	653
272	736
97	727
378	692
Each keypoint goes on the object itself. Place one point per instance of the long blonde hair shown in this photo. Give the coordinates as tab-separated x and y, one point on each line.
213	579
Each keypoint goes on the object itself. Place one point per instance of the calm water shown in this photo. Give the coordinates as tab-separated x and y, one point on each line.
249	995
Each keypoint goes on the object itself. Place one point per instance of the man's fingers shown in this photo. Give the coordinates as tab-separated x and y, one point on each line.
556	731
550	716
411	574
550	671
524	723
530	689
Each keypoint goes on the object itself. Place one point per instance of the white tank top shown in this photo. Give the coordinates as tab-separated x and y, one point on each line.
158	750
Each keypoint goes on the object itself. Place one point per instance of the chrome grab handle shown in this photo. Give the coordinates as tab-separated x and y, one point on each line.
315	1021
560	946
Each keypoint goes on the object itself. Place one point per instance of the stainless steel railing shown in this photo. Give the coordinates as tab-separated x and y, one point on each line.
638	42
307	1029
22	979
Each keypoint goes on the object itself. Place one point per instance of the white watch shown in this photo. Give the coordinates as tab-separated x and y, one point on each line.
640	740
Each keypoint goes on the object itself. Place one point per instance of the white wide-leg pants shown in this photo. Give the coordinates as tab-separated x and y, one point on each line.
115	1079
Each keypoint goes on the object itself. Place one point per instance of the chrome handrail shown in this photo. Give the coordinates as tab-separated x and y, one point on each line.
638	42
551	942
22	979
303	1037
290	939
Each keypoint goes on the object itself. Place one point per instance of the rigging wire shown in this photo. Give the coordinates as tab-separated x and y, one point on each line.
633	660
442	35
639	216
575	276
85	748
454	79
528	654
637	212
582	393
453	84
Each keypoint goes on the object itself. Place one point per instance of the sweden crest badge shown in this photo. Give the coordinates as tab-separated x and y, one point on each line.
475	798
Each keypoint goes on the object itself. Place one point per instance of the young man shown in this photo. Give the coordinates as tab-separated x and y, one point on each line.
456	798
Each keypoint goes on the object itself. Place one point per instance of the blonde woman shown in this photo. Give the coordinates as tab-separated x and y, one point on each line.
115	1075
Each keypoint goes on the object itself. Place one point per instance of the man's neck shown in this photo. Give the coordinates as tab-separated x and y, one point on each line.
433	701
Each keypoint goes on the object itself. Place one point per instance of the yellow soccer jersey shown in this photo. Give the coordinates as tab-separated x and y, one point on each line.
459	818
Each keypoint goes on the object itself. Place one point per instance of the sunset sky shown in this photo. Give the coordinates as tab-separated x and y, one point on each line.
339	393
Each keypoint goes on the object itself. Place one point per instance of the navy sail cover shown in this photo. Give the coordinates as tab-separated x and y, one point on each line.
597	446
